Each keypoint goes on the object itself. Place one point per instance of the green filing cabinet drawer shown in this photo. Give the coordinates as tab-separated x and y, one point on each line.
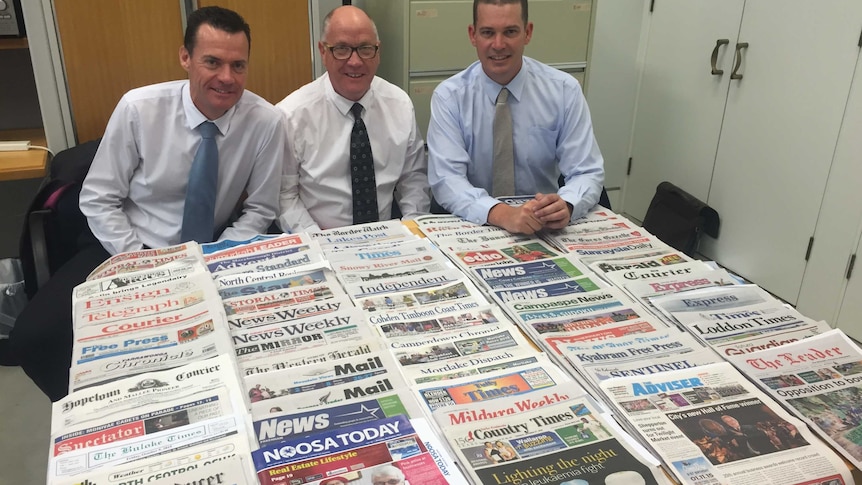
561	30
420	91
438	35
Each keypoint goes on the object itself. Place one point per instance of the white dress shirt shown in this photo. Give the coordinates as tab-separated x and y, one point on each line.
135	191
316	185
552	134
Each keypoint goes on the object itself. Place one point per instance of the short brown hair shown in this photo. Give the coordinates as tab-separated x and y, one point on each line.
523	3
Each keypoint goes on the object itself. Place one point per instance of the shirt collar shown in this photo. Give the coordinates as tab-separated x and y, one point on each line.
515	86
194	117
343	104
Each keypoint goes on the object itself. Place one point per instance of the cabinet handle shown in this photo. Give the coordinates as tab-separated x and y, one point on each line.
714	58
738	55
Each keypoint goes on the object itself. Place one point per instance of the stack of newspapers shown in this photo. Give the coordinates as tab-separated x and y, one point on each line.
595	354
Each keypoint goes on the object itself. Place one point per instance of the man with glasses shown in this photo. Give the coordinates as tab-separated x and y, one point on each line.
510	125
353	147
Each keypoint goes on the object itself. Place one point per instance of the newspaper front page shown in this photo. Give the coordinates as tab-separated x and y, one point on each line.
710	425
820	379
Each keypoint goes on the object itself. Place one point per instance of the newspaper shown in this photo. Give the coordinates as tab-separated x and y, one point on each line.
462	292
320	292
820	380
249	284
389	449
744	334
565	442
152	388
373	232
382	286
146	259
553	342
126	282
281	253
190	338
591	252
138	302
226	460
473	365
234	280
710	425
275	315
529	274
278	427
162	331
436	395
639	260
345	327
547	290
420	351
433	319
709	303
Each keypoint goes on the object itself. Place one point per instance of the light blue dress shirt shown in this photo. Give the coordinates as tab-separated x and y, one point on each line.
552	132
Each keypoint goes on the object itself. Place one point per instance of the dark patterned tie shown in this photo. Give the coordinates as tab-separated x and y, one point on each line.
199	209
362	171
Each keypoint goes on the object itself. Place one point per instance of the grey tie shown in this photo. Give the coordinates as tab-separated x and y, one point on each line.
504	151
199	209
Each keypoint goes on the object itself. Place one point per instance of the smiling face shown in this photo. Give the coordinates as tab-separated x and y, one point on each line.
217	69
351	27
499	36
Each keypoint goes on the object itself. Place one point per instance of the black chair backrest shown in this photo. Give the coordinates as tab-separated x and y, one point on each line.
678	218
55	228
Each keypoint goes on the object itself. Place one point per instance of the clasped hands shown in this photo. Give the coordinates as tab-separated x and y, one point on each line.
545	211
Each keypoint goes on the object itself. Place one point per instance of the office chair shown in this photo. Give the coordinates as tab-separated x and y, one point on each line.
54	227
679	219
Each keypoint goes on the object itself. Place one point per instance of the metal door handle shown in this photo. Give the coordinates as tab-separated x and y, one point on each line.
714	58
738	55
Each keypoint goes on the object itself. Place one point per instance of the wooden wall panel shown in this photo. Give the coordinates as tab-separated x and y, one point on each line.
281	56
112	46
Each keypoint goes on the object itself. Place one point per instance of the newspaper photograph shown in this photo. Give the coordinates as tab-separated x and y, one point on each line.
146	259
532	250
712	426
382	451
563	443
820	380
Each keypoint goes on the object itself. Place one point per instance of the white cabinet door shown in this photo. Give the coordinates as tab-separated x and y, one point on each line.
779	135
836	236
680	102
850	316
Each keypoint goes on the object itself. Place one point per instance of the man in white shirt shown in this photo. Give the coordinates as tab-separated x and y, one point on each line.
317	189
135	192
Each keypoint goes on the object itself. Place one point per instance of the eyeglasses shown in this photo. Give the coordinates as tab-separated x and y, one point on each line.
343	52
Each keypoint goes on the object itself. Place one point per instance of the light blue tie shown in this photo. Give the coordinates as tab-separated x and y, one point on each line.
199	211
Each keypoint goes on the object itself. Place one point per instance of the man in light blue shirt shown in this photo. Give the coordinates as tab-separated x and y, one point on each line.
551	129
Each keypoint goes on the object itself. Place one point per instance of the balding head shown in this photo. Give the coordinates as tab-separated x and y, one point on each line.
349	27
